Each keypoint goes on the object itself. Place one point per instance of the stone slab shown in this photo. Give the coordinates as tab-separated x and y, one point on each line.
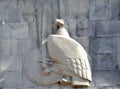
6	62
79	8
32	31
106	78
17	64
104	45
28	17
72	27
2	6
24	46
104	62
65	8
28	6
12	13
8	47
99	10
4	32
114	9
9	88
2	17
104	87
13	80
107	28
15	30
19	30
85	29
118	62
26	83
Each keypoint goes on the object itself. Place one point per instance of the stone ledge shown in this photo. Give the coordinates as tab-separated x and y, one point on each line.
107	28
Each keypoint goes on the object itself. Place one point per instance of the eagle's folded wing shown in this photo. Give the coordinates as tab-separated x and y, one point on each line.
70	53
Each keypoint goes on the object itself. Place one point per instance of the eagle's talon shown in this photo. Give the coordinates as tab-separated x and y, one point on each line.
46	71
64	81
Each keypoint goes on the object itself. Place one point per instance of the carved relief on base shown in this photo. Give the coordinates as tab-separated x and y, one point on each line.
34	70
68	62
48	73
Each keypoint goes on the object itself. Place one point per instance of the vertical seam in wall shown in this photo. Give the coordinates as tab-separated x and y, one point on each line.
88	15
37	24
37	27
119	11
58	15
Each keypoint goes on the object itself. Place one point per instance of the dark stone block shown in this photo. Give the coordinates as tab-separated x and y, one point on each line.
104	45
85	29
104	62
106	78
12	12
114	6
99	10
108	28
79	9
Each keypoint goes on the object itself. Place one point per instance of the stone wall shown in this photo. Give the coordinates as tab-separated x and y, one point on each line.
93	23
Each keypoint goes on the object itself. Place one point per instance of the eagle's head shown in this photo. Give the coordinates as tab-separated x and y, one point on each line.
59	22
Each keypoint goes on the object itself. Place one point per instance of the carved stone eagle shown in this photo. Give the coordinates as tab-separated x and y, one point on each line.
70	56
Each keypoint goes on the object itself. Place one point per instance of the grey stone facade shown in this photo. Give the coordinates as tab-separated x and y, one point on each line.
93	23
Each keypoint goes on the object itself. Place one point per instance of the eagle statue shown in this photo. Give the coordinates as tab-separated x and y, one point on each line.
70	56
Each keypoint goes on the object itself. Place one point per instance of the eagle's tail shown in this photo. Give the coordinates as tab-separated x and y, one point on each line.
77	82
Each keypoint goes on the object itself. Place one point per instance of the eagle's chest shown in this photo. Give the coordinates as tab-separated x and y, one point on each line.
63	31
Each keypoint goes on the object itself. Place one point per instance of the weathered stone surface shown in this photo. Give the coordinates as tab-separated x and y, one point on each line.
85	29
118	45
54	87
4	32
65	8
63	87
2	6
25	45
106	78
104	62
79	8
32	31
84	41
104	45
22	46
114	9
28	17
26	83
93	87
2	17
8	47
12	14
33	88
18	35
116	87
72	27
107	28
14	30
28	6
17	64
105	87
118	62
92	46
9	88
19	30
99	10
6	62
13	80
